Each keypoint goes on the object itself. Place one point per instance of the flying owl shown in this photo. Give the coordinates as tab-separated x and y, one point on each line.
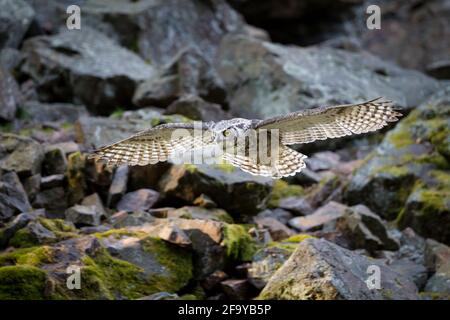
160	143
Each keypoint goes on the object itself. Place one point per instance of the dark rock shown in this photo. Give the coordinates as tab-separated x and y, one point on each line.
54	201
205	202
196	108
118	186
142	199
76	177
32	186
421	27
54	162
236	289
13	198
365	230
10	96
289	78
34	233
68	65
96	229
19	222
10	58
213	280
319	269
39	112
84	215
323	160
53	181
145	25
15	18
94	132
147	176
325	214
410	270
297	205
237	192
20	154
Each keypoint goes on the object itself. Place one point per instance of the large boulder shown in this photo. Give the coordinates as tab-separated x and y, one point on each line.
13	198
407	175
67	67
20	154
15	18
319	269
10	96
237	192
270	79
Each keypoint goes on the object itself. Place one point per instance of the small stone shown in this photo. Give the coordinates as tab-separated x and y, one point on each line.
19	222
279	214
96	229
297	205
20	154
54	162
213	280
173	234
94	200
118	186
32	185
118	217
236	289
278	231
83	215
325	214
13	198
139	200
160	212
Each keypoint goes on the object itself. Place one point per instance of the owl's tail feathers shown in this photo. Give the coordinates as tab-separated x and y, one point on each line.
288	163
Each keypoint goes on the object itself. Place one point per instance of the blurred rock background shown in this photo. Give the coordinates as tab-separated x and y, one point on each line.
213	232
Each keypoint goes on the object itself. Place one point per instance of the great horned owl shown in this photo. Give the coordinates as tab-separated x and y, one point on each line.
159	143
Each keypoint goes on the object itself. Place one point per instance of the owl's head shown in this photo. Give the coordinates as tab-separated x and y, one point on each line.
231	129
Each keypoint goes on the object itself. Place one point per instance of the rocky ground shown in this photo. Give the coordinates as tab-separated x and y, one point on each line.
213	232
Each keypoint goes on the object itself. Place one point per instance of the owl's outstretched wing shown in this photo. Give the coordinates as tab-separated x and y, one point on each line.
332	122
155	144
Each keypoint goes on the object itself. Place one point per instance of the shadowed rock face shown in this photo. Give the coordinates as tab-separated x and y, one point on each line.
264	79
69	65
319	269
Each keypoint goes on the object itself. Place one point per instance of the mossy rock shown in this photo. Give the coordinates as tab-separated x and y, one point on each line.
22	282
239	244
281	189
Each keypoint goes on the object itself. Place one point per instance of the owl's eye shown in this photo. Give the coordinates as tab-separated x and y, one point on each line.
226	133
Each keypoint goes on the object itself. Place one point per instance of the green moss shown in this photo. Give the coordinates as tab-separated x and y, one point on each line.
190	168
401	137
225	167
298	238
118	113
62	229
441	178
75	176
23	239
27	256
240	246
396	171
119	233
176	260
281	189
22	282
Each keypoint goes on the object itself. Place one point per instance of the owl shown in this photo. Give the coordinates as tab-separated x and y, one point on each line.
241	140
